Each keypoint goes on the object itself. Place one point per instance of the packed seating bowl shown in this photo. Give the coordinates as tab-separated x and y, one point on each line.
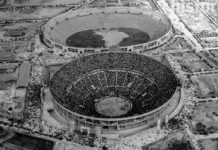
111	90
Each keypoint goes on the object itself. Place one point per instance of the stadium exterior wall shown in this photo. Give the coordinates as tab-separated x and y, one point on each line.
133	48
120	126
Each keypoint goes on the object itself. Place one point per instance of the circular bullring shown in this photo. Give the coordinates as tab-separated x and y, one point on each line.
140	84
99	29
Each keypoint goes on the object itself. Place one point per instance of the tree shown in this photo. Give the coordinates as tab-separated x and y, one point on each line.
180	145
201	128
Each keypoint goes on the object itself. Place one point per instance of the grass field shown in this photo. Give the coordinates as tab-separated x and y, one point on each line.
190	62
135	37
190	56
28	142
207	114
92	38
207	86
208	144
86	38
194	65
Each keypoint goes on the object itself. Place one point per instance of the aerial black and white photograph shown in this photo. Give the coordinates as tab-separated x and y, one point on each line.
108	74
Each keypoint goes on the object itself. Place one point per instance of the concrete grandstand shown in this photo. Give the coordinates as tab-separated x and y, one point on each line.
86	93
155	25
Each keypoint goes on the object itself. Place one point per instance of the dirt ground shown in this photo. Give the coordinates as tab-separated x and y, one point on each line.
207	86
207	114
209	144
173	142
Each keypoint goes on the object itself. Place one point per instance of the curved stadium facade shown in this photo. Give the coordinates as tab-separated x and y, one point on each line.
115	92
154	24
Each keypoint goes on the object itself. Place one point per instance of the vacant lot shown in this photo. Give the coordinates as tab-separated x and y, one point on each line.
207	86
205	118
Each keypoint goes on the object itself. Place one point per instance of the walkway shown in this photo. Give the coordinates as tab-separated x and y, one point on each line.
177	23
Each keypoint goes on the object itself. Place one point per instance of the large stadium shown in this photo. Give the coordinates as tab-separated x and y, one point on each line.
99	30
114	92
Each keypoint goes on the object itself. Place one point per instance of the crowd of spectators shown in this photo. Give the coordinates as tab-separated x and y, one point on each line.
153	71
133	142
143	80
32	122
160	79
